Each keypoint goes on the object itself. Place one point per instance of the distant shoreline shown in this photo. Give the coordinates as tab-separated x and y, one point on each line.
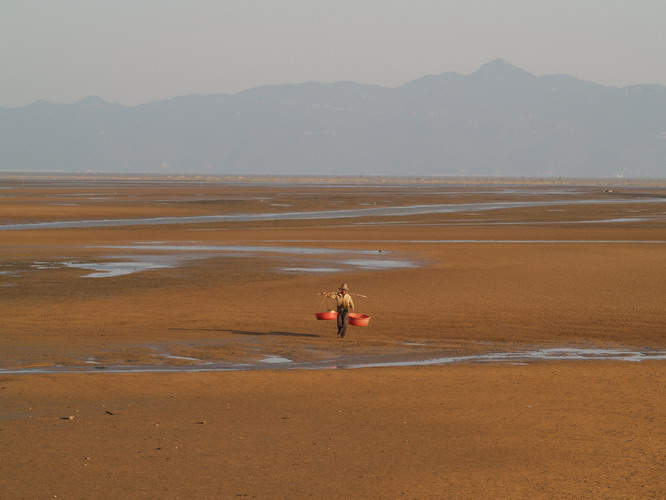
335	179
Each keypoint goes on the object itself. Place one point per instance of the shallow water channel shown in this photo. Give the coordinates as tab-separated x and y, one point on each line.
356	362
322	214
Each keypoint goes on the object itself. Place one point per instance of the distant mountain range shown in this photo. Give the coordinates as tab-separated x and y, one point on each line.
498	121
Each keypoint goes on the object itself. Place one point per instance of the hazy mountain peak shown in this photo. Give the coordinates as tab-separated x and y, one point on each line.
499	69
91	100
433	81
500	120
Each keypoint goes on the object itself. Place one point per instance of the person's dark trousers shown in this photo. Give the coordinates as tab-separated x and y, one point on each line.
342	321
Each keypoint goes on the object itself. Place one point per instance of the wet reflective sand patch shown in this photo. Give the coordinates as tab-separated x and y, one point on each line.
276	360
178	254
379	260
182	358
312	269
379	264
111	269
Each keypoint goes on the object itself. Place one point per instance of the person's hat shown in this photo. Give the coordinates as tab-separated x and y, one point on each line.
344	286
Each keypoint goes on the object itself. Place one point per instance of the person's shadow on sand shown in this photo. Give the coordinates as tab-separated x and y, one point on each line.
276	334
245	332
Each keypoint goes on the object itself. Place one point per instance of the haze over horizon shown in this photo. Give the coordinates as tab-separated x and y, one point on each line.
148	50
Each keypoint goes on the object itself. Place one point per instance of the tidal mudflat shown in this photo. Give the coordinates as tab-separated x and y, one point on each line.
490	306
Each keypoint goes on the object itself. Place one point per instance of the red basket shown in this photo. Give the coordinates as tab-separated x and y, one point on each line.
357	319
327	315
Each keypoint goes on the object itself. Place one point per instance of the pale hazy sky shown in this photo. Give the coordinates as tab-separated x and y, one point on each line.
136	51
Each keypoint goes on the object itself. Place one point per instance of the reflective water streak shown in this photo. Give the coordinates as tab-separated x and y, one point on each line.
561	354
476	241
276	362
312	269
323	214
235	248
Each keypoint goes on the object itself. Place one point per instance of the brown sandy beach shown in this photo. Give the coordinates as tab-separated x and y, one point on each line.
548	430
499	269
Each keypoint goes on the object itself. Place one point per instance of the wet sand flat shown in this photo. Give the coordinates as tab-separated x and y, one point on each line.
499	269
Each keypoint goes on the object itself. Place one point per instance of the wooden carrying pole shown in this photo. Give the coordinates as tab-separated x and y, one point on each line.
353	294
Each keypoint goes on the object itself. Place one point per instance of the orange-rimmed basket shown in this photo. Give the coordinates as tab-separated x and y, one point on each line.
357	319
327	315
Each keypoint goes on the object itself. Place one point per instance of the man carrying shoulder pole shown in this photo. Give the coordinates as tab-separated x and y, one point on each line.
344	302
